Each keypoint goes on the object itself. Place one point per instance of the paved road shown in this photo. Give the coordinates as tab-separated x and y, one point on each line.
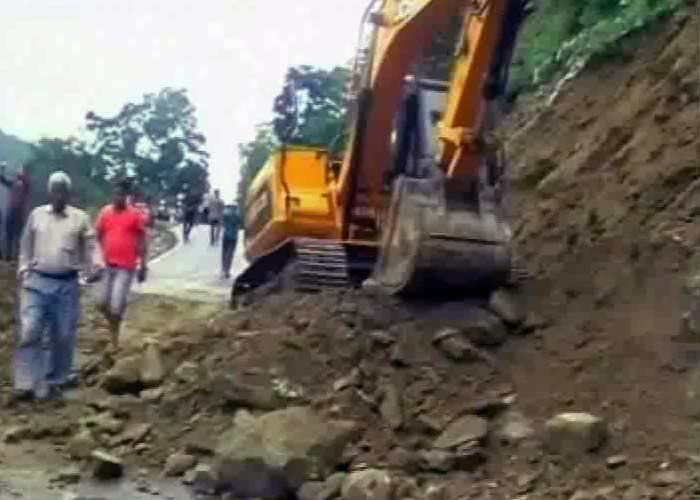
192	269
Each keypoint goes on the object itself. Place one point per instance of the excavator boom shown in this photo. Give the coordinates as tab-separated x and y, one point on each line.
437	226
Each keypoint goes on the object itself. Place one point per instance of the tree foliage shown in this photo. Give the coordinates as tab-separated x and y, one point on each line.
90	188
156	141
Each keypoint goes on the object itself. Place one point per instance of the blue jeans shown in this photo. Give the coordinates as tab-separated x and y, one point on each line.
48	306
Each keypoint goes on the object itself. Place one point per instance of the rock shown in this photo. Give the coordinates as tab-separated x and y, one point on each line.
513	427
575	433
178	463
253	478
103	423
152	395
152	369
668	478
391	408
382	337
616	461
369	484
295	439
122	406
187	373
485	329
470	456
310	491
240	395
464	430
202	475
17	433
69	475
504	304
136	433
488	408
435	492
351	380
106	466
81	445
403	460
437	461
124	377
451	343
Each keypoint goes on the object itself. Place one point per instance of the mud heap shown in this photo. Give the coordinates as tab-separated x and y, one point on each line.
569	387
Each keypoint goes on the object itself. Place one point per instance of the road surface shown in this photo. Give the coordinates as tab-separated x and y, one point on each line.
192	269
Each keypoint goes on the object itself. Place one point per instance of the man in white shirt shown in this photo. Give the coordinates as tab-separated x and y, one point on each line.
56	245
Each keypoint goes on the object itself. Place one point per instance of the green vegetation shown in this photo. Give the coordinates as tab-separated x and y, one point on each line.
13	150
154	141
564	35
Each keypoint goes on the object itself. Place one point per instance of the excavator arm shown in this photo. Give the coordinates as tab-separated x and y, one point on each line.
438	231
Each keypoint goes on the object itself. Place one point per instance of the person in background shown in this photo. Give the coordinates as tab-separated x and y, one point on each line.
216	211
121	234
138	201
56	245
190	205
231	223
15	214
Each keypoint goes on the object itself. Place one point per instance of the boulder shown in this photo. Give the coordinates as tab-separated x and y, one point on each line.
178	463
464	430
81	445
391	408
252	478
504	304
368	484
320	490
106	466
152	368
187	373
202	475
574	433
513	427
453	345
437	461
17	433
296	440
484	329
238	394
124	377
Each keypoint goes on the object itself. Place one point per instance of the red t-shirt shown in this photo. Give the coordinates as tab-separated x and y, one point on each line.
119	233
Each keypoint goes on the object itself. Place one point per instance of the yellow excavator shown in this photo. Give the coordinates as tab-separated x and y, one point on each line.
417	200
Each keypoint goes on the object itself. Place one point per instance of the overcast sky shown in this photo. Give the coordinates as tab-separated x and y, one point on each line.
62	58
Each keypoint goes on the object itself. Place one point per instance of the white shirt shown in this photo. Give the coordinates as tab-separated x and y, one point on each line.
56	242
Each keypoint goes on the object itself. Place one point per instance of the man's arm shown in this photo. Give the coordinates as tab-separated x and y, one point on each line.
26	247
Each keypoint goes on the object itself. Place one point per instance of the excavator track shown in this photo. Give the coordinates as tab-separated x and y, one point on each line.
309	265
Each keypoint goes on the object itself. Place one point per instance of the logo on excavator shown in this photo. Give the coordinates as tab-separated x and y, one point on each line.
406	9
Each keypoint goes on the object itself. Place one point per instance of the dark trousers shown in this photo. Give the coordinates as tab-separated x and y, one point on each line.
228	249
13	233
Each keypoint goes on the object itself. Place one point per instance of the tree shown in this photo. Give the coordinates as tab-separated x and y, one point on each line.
156	141
90	188
310	110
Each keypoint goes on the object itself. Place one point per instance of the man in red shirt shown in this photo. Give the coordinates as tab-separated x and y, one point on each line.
121	233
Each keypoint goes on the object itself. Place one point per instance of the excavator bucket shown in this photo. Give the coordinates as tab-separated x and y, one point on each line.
433	241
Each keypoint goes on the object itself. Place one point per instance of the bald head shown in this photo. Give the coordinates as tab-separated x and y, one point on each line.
59	187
